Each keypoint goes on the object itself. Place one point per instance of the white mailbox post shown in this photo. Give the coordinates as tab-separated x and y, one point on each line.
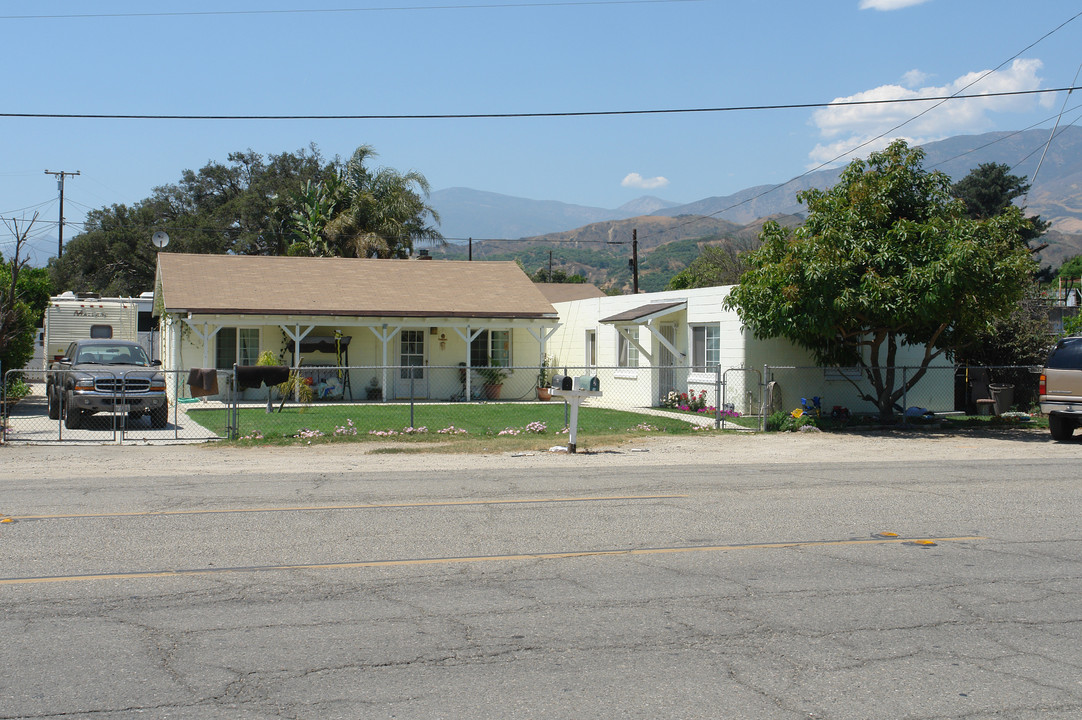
574	398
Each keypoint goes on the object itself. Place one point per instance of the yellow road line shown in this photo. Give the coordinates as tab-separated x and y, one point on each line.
477	558
362	506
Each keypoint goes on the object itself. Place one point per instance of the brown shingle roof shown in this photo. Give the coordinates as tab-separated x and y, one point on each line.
566	292
262	285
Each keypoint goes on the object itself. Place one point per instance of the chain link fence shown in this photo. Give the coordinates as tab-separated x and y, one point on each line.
963	390
214	404
112	407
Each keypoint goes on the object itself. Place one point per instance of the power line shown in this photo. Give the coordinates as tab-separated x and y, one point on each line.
326	11
581	113
955	95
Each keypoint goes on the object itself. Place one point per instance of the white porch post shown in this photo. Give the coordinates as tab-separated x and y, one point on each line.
296	336
385	337
469	336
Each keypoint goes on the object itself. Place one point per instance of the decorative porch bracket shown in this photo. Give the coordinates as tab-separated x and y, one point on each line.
542	338
661	339
204	335
625	330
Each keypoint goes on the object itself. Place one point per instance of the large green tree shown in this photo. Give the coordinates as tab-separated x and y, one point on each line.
1020	337
886	258
716	265
295	203
24	294
991	188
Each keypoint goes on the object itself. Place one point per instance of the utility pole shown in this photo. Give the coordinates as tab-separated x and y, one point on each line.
60	175
635	261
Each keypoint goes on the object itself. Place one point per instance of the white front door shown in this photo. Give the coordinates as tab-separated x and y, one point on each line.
411	381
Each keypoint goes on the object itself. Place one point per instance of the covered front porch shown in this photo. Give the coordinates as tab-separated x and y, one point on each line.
378	359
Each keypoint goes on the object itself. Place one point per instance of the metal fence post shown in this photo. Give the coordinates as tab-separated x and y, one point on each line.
905	397
719	397
763	382
232	430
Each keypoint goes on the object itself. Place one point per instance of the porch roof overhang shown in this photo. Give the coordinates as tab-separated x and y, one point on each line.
645	313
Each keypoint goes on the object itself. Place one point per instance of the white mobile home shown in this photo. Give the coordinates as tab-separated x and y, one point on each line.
648	345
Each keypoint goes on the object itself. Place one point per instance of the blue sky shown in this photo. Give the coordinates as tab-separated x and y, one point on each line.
433	57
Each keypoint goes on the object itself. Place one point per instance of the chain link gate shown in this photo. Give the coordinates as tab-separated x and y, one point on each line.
741	392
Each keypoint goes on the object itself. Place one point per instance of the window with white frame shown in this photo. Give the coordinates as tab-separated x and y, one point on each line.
236	345
705	347
491	345
627	355
591	348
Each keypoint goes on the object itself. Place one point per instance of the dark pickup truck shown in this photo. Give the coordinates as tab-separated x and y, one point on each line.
106	376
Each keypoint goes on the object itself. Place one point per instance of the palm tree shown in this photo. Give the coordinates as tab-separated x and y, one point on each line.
361	213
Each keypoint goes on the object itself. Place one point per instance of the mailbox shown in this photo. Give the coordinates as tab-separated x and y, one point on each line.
595	384
561	382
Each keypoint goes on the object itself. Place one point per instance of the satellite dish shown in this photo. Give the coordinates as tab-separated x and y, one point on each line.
159	239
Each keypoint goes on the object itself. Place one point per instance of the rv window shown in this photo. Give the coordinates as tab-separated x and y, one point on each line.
101	331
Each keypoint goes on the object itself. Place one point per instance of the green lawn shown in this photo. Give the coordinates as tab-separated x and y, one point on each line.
514	425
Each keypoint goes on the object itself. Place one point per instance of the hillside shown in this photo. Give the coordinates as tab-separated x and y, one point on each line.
601	251
588	240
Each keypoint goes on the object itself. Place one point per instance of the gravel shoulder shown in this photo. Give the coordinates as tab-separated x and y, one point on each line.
28	462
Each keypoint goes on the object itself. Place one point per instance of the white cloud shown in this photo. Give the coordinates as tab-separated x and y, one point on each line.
847	127
914	78
634	180
888	4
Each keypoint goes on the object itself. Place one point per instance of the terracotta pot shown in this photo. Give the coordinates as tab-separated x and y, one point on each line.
543	393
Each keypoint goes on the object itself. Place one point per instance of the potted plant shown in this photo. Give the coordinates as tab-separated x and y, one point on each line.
544	376
492	378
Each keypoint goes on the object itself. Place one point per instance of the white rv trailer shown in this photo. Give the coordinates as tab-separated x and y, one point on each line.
76	317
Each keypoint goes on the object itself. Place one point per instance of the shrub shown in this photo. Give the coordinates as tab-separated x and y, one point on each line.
785	422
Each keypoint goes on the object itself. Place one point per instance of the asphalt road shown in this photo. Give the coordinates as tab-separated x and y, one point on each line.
683	590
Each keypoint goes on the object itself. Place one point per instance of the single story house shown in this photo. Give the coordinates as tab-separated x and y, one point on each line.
409	328
642	347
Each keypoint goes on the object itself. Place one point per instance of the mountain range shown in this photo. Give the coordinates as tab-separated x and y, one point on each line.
1056	196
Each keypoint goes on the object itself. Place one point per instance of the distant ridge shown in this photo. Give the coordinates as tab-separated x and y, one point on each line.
1056	195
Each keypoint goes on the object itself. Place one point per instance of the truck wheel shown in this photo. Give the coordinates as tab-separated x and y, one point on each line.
159	417
73	417
54	406
1061	428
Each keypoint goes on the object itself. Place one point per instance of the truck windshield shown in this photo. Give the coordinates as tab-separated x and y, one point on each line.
113	355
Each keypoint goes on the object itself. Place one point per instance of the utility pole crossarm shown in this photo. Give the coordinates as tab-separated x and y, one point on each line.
60	175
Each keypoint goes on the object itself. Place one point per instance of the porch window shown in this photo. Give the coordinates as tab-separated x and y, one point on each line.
705	347
627	354
236	345
494	344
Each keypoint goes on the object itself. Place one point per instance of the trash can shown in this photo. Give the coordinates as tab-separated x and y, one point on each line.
1002	397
